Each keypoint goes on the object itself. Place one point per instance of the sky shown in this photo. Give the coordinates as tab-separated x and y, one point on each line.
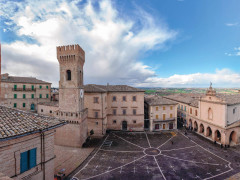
142	43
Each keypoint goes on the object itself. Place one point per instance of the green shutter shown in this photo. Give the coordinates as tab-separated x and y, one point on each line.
24	105
24	162
33	158
47	87
40	87
15	86
32	87
46	95
15	105
24	87
24	96
15	96
32	96
40	95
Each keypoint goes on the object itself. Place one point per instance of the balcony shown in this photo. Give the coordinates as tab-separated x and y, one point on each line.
23	89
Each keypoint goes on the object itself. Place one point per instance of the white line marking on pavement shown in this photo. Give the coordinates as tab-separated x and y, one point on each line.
129	141
115	168
159	168
165	142
179	148
119	151
91	157
148	140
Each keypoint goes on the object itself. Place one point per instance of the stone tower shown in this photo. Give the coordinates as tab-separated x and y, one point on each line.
71	59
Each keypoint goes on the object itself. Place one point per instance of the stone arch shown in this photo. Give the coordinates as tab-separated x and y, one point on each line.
69	75
201	129
210	113
195	126
209	132
217	136
233	138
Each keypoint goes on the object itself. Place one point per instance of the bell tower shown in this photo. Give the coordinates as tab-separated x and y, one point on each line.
71	59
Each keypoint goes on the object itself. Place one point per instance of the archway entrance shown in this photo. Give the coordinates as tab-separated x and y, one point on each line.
233	138
209	132
201	128
217	136
32	107
195	126
190	124
124	125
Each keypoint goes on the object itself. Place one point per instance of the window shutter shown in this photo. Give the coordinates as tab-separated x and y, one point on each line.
33	155
24	162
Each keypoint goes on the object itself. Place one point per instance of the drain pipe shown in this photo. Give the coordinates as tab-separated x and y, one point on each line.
43	154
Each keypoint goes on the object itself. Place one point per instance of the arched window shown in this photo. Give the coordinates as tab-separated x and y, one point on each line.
69	75
210	113
80	77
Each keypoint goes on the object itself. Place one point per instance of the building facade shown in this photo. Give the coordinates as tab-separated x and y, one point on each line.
24	92
114	107
27	144
70	106
214	116
161	113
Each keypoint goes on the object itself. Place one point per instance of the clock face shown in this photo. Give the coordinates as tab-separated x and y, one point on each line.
81	93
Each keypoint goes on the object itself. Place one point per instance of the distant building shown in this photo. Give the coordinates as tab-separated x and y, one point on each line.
161	113
214	116
24	92
27	144
70	106
114	107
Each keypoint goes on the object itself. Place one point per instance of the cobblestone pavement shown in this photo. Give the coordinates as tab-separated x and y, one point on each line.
166	155
69	158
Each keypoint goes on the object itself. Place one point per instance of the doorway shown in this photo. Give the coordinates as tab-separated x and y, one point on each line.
124	125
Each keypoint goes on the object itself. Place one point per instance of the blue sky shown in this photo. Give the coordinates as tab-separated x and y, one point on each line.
157	43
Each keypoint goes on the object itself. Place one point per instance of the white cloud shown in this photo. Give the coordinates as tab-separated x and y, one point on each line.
235	53
221	78
232	24
112	43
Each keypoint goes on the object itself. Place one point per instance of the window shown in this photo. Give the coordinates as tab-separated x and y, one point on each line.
170	115
156	126
134	111
24	87
24	96
40	87
234	110
134	98
69	75
41	110
171	108
15	87
114	98
185	108
163	108
23	105
96	114
15	96
114	111
32	87
134	121
28	160
124	98
190	110
96	123
114	121
195	112
178	106
164	116
210	113
95	99
181	107
124	111
156	108
156	116
47	87
15	105
40	95
46	95
32	96
51	112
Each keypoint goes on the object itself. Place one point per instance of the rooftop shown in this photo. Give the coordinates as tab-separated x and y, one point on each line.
15	122
110	88
158	100
17	79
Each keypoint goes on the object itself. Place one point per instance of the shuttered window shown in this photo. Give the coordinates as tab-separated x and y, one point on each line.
24	96
46	95
15	96
28	160
24	87
15	87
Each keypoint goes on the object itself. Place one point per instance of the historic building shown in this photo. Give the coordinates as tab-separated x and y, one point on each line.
70	106
114	107
27	144
24	92
214	116
161	113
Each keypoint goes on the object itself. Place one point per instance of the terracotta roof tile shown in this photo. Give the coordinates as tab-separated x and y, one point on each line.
158	100
16	79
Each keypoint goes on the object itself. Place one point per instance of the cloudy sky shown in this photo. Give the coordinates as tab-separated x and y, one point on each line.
157	43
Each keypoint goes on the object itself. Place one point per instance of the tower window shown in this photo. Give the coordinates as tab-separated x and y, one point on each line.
69	75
